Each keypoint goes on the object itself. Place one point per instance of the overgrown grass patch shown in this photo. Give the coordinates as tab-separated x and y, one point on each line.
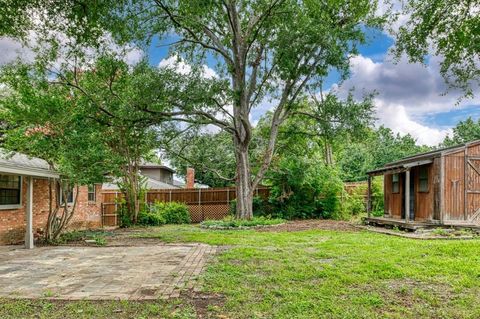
48	309
327	274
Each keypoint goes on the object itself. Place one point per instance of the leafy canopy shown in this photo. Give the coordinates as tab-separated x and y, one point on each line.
449	29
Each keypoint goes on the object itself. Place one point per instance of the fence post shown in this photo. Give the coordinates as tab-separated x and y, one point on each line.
170	196
200	203
369	195
228	195
145	205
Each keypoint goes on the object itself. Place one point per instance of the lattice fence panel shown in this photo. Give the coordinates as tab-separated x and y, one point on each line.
203	204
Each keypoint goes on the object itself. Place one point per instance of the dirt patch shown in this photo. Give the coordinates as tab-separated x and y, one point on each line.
300	225
207	305
427	233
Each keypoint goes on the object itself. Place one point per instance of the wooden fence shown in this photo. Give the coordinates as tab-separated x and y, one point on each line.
203	203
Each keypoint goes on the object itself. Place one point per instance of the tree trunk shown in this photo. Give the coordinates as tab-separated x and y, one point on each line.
328	154
243	185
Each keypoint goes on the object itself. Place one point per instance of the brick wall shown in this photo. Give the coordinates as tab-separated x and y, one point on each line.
13	222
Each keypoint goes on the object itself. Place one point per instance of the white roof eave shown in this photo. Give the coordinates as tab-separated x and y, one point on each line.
28	171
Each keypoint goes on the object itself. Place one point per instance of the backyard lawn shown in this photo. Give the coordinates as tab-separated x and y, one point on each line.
314	273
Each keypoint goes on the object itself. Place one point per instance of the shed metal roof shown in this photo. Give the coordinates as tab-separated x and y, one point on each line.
419	159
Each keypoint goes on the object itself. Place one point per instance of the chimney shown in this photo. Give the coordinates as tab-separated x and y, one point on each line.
190	178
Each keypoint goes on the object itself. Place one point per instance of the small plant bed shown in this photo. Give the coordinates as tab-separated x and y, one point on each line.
84	237
230	223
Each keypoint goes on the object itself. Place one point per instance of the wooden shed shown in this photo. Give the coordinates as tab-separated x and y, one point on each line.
440	187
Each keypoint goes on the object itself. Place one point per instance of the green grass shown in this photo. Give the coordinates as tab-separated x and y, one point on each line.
327	274
47	309
236	223
308	274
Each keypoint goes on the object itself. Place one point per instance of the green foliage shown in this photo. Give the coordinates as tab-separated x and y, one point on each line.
100	240
446	28
171	212
148	218
124	216
210	154
378	147
378	204
304	188
465	131
230	222
87	123
329	119
355	204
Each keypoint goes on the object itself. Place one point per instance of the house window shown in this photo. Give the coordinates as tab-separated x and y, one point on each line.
423	179
91	193
395	183
69	191
10	190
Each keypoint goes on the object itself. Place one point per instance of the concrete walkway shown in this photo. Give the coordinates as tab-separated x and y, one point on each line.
96	273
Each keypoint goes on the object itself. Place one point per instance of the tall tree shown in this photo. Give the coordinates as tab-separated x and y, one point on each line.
452	29
261	53
44	125
84	121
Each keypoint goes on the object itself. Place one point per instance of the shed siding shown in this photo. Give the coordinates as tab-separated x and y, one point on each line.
454	195
423	200
473	183
393	201
436	188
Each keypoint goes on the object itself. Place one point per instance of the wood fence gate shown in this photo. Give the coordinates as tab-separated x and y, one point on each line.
203	203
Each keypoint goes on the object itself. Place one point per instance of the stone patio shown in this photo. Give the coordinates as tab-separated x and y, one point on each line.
96	273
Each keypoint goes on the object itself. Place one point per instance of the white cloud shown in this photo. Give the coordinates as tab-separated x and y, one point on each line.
396	117
406	93
177	63
12	50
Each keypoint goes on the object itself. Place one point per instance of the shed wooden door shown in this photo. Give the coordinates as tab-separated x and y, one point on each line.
472	190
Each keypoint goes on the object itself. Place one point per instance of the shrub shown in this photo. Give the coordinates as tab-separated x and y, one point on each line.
304	188
355	203
172	213
230	222
147	218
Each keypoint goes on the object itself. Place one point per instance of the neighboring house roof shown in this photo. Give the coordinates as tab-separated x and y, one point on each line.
21	164
151	184
155	165
181	184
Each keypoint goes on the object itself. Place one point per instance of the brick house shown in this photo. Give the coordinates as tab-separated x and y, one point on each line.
24	200
24	196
